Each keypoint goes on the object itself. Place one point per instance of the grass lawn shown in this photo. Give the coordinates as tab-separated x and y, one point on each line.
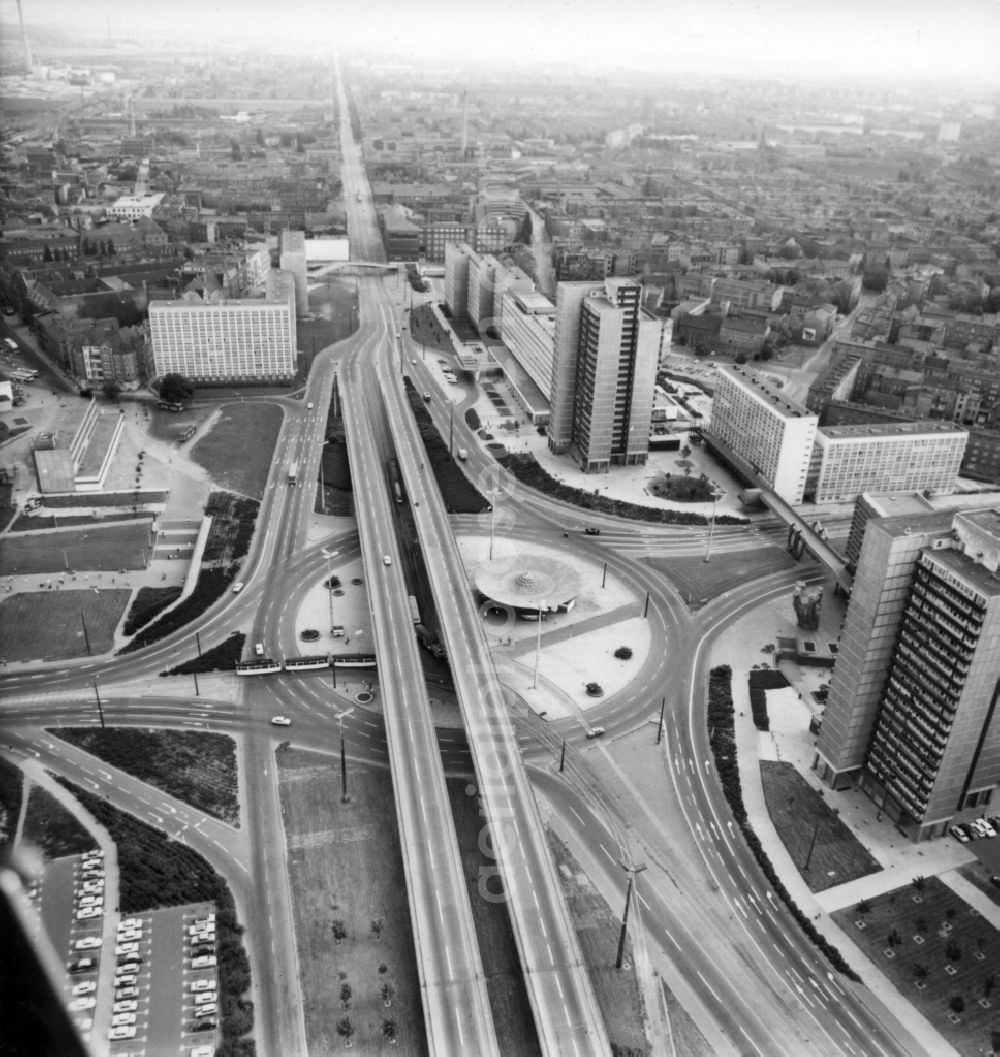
148	603
946	920
425	328
699	581
512	1016
49	826
111	547
47	626
345	865
237	451
597	929
796	809
195	766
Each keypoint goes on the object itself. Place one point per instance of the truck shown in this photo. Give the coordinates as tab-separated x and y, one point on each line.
463	454
293	473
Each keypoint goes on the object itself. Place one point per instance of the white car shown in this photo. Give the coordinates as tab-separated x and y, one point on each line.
130	923
204	927
386	560
94	887
208	919
126	992
206	1011
92	863
88	987
129	934
125	980
125	1007
87	943
204	999
203	961
203	1051
80	1004
127	948
118	1019
309	407
89	912
203	985
985	827
91	900
237	587
281	721
121	1032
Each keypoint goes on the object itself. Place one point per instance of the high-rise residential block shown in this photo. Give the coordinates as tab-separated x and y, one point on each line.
912	716
603	373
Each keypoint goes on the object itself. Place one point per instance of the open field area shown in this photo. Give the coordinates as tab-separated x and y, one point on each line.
197	767
823	849
49	625
699	581
346	869
941	955
237	450
110	548
170	425
509	1003
49	826
597	929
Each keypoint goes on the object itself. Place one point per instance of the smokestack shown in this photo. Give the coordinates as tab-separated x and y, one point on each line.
465	122
29	64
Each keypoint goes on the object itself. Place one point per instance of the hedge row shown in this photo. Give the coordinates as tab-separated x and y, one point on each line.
158	872
148	603
211	585
768	678
221	658
758	706
723	741
527	470
234	518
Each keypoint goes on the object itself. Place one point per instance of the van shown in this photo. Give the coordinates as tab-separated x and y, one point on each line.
237	587
259	649
309	407
594	732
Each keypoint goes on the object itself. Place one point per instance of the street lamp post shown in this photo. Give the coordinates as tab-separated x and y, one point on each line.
711	526
86	637
631	871
329	586
543	607
100	709
344	798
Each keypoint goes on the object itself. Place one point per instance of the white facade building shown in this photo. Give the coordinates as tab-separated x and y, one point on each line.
134	207
528	330
899	456
765	429
227	340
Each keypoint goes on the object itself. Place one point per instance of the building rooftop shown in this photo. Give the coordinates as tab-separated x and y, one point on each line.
890	429
968	569
760	385
533	303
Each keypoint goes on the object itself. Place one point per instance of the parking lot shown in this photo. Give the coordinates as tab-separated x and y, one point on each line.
110	985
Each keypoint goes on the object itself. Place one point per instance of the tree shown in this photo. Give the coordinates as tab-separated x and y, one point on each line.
111	389
952	951
376	927
339	931
957	1004
920	972
345	1029
345	995
989	982
623	653
863	907
111	248
389	1031
893	938
875	280
175	388
919	884
387	993
686	452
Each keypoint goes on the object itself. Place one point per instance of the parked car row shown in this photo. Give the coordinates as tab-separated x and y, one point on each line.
200	1003
88	906
985	826
88	891
125	1009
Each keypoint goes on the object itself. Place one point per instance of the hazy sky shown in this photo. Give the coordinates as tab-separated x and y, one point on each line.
912	40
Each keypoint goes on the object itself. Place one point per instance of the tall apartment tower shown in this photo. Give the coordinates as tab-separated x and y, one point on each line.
912	716
603	374
292	259
457	258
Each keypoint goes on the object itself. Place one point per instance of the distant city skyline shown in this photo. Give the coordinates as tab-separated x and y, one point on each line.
912	44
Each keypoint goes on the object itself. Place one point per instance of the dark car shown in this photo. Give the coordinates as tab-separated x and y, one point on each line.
203	1025
592	532
133	960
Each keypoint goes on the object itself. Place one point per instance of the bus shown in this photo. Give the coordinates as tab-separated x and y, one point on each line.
293	473
23	375
414	609
170	405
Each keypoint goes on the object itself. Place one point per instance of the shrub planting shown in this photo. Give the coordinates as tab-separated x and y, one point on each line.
147	604
528	471
472	419
11	791
221	658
